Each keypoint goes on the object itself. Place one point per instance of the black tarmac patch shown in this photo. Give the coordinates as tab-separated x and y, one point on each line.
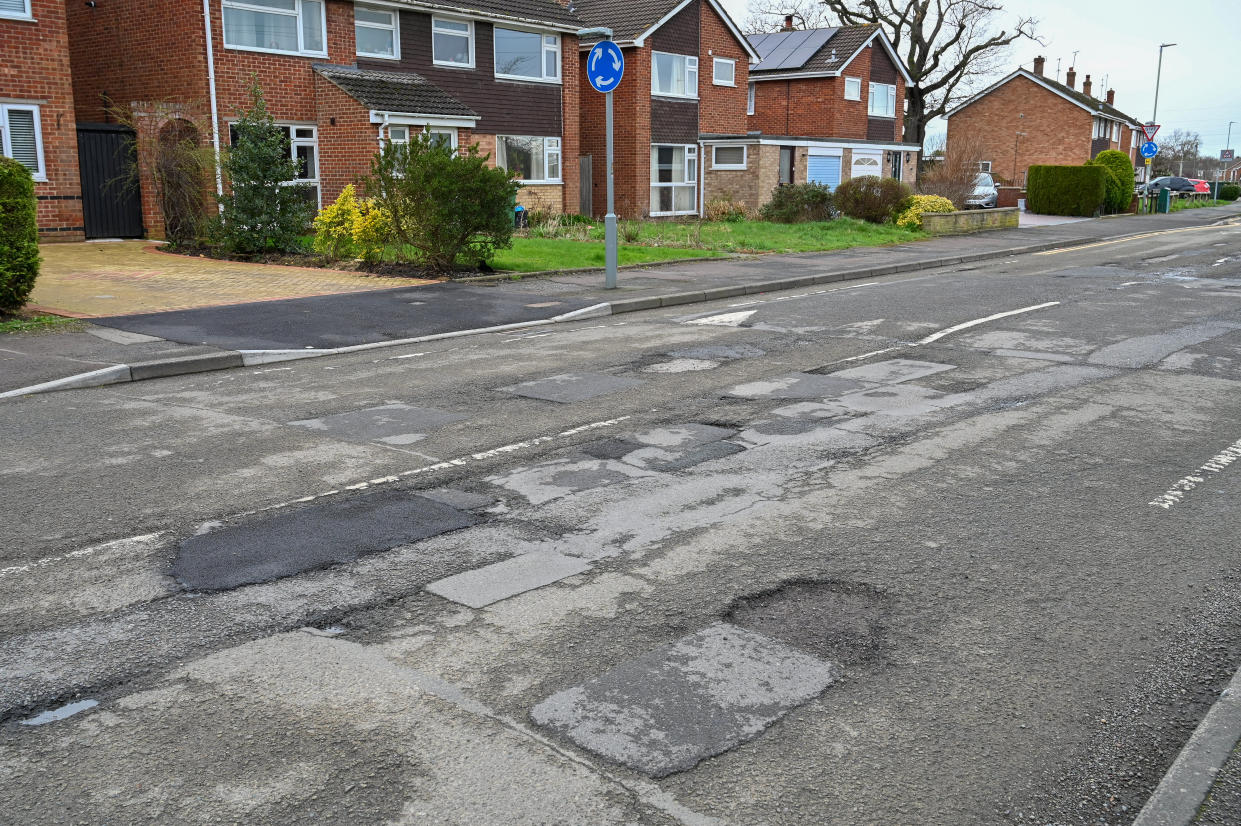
295	541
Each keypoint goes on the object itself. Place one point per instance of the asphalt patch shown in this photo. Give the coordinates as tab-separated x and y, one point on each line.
294	541
393	424
328	321
838	621
567	388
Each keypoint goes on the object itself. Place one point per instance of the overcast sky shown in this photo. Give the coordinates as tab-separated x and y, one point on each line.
1119	40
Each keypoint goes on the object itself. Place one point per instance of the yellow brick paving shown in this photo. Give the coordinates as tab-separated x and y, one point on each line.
100	279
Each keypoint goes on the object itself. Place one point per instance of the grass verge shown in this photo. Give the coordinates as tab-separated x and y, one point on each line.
536	254
37	323
1191	203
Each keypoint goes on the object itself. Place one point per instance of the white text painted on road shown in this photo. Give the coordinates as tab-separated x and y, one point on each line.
1185	484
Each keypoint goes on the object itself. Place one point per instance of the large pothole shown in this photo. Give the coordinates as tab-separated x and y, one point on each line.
838	621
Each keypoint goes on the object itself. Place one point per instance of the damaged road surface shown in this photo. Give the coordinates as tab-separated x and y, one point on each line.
951	547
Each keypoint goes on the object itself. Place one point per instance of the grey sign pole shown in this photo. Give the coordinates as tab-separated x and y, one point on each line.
609	220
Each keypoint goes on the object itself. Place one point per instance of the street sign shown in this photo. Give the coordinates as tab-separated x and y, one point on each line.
605	66
1226	154
1149	131
1149	149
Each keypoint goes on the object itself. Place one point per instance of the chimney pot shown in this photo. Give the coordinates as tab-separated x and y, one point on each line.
788	22
1070	77
1111	97
1039	63
1086	85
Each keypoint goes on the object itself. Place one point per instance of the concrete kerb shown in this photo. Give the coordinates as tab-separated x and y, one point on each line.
224	359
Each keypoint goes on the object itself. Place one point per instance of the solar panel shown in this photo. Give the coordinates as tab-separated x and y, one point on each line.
789	50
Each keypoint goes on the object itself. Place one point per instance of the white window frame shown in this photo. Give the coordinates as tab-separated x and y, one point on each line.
6	145
749	98
745	157
28	14
715	71
395	28
544	49
984	166
469	35
296	13
691	154
690	70
551	148
411	129
294	143
888	92
856	84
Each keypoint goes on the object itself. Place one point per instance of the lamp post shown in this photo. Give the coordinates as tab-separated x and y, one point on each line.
1158	75
1016	140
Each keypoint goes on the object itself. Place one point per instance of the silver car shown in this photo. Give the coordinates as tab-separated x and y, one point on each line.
985	194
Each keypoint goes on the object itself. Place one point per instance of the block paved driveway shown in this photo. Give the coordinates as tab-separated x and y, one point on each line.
95	279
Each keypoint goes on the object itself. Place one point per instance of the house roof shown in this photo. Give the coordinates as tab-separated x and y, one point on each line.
530	11
398	92
816	52
1085	101
632	21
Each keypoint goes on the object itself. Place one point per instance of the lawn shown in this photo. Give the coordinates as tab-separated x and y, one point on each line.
760	236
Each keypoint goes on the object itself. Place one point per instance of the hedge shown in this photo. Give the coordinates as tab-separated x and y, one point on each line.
1120	182
1229	192
1067	190
19	235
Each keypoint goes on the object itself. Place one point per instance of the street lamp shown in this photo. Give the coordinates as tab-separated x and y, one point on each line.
1158	74
1017	136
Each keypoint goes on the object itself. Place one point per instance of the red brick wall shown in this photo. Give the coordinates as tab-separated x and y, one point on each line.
1057	131
347	139
34	66
571	112
632	136
721	109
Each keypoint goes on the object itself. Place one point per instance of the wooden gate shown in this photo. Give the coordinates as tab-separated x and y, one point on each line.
586	179
111	200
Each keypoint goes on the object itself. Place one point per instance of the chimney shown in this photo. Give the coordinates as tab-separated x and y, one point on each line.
1039	62
1111	97
1086	85
788	23
1070	77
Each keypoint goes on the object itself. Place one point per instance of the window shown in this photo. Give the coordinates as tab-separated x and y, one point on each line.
21	138
853	88
15	8
452	42
728	157
535	160
675	75
527	55
882	100
749	99
442	135
984	166
377	32
674	180
303	146
724	72
288	26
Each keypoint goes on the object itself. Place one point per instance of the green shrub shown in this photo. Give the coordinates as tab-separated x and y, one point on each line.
871	198
1229	192
911	218
262	211
1066	190
797	203
727	208
19	235
443	205
1120	178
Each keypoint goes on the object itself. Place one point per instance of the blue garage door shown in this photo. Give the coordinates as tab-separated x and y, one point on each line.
824	169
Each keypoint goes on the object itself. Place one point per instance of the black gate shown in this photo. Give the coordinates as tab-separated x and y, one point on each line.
111	200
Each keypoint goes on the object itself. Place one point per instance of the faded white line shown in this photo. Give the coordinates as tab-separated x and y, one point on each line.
1182	486
863	356
78	554
967	324
725	319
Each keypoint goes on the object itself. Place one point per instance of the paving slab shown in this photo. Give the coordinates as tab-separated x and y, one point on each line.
797	386
491	583
290	542
567	388
893	371
395	423
669	709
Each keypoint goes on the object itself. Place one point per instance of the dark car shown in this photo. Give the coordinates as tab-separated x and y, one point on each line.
1172	182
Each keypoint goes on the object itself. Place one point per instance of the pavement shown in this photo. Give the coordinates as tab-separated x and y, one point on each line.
208	336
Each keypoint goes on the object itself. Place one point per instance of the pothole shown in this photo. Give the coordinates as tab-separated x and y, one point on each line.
682	365
839	621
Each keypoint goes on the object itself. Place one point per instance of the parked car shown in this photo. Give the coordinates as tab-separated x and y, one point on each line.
985	195
1200	185
1172	182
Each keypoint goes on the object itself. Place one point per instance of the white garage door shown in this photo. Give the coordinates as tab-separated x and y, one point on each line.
823	169
866	163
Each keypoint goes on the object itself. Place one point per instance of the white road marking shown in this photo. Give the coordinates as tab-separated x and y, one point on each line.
1216	464
863	356
967	324
725	319
393	358
78	554
1131	238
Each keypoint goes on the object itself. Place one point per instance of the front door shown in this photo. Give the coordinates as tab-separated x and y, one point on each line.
111	199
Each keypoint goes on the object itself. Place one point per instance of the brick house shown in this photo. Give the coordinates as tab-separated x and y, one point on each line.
686	71
824	105
1027	119
37	125
342	77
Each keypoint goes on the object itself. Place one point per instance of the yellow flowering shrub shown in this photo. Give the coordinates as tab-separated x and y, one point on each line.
334	225
372	230
911	218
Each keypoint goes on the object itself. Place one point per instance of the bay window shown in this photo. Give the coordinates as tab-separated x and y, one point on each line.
535	160
21	138
285	26
527	55
882	100
674	75
452	42
674	180
377	32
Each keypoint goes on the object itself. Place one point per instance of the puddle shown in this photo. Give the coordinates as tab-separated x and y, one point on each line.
56	714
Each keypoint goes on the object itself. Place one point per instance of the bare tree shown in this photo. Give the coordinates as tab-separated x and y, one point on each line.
1178	154
952	174
768	15
949	47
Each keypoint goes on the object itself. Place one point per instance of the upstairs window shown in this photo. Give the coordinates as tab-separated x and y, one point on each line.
724	72
19	9
20	137
285	26
674	75
452	42
749	99
527	55
853	88
376	32
882	100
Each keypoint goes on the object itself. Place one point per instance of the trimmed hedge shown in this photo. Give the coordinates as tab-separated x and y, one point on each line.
1067	190
1229	192
1120	181
19	235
